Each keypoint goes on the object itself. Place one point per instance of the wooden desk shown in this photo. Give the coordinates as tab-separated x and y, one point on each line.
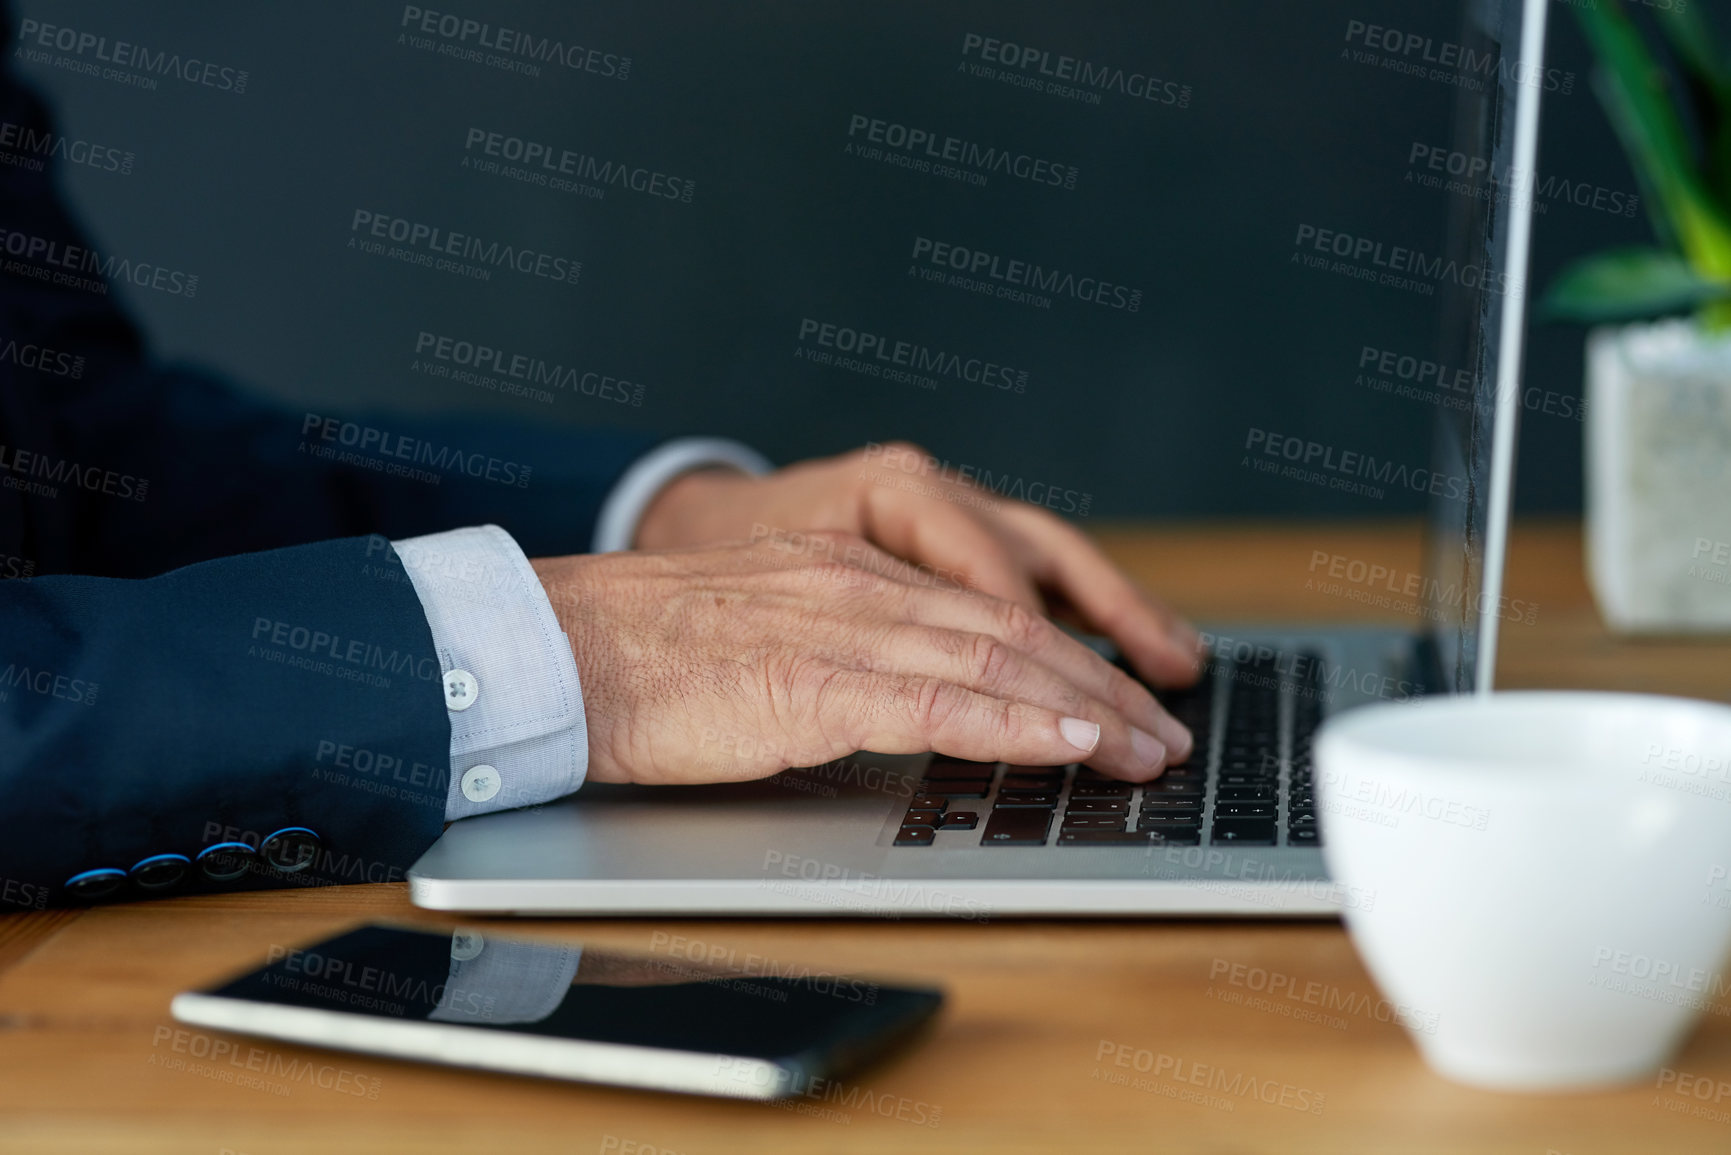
90	1062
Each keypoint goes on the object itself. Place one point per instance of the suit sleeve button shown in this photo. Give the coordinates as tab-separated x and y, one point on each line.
160	871
226	861
291	849
89	885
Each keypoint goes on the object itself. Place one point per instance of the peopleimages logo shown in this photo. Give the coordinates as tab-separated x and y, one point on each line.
323	435
1013	275
547	164
26	146
122	54
1415	53
80	267
465	38
879	355
482	360
1054	72
427	244
1351	463
1369	259
927	150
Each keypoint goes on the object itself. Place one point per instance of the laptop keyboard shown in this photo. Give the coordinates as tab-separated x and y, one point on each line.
1247	783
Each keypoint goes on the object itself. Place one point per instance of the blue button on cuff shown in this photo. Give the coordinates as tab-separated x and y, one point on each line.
291	849
226	861
160	871
94	884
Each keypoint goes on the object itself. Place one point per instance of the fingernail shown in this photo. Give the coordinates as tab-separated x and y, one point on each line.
1179	739
1147	748
1080	733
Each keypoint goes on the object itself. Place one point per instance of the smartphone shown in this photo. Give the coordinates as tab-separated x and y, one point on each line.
566	1011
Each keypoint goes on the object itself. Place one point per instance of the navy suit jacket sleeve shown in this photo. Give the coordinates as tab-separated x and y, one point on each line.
150	721
187	658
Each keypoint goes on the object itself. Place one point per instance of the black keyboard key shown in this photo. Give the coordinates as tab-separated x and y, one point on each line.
924	817
958	768
915	836
1244	831
1171	804
1100	790
1171	835
1242	793
1023	782
928	802
1046	798
1169	822
1039	771
955	789
960	820
1244	809
1304	836
1128	838
1172	786
1114	805
1018	827
1093	822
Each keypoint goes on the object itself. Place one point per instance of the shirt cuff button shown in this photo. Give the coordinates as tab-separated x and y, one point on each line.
461	689
480	783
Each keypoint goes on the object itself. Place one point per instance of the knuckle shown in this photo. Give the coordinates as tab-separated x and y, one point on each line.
989	659
1023	628
934	703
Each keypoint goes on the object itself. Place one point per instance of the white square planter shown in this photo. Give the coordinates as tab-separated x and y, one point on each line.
1658	477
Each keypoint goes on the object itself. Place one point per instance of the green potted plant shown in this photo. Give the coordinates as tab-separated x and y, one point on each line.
1658	387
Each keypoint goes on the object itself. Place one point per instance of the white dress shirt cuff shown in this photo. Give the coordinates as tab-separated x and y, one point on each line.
616	528
508	982
518	734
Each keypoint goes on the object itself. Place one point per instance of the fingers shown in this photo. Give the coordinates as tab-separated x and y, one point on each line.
996	648
989	665
899	714
947	536
1161	645
942	524
1033	635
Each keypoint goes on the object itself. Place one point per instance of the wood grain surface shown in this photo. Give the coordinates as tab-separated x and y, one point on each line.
1070	1037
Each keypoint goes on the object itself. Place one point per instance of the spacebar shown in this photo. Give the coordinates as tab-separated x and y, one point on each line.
1017	827
1177	836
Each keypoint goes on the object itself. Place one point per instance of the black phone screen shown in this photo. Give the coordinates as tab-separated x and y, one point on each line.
801	1019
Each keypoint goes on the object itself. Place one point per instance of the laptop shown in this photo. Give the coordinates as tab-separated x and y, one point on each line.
1235	830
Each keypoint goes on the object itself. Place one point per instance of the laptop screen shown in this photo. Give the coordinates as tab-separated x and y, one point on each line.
1489	170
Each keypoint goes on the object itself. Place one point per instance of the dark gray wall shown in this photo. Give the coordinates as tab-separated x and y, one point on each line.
1264	122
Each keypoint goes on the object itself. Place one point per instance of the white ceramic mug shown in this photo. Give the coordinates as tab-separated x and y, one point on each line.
1550	875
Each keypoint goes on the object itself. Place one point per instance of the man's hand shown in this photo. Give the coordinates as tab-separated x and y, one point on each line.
737	661
900	499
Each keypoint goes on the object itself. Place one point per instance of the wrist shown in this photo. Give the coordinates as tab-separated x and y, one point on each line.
682	512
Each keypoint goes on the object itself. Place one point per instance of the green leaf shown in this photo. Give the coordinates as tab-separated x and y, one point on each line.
1632	86
1708	83
1627	285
